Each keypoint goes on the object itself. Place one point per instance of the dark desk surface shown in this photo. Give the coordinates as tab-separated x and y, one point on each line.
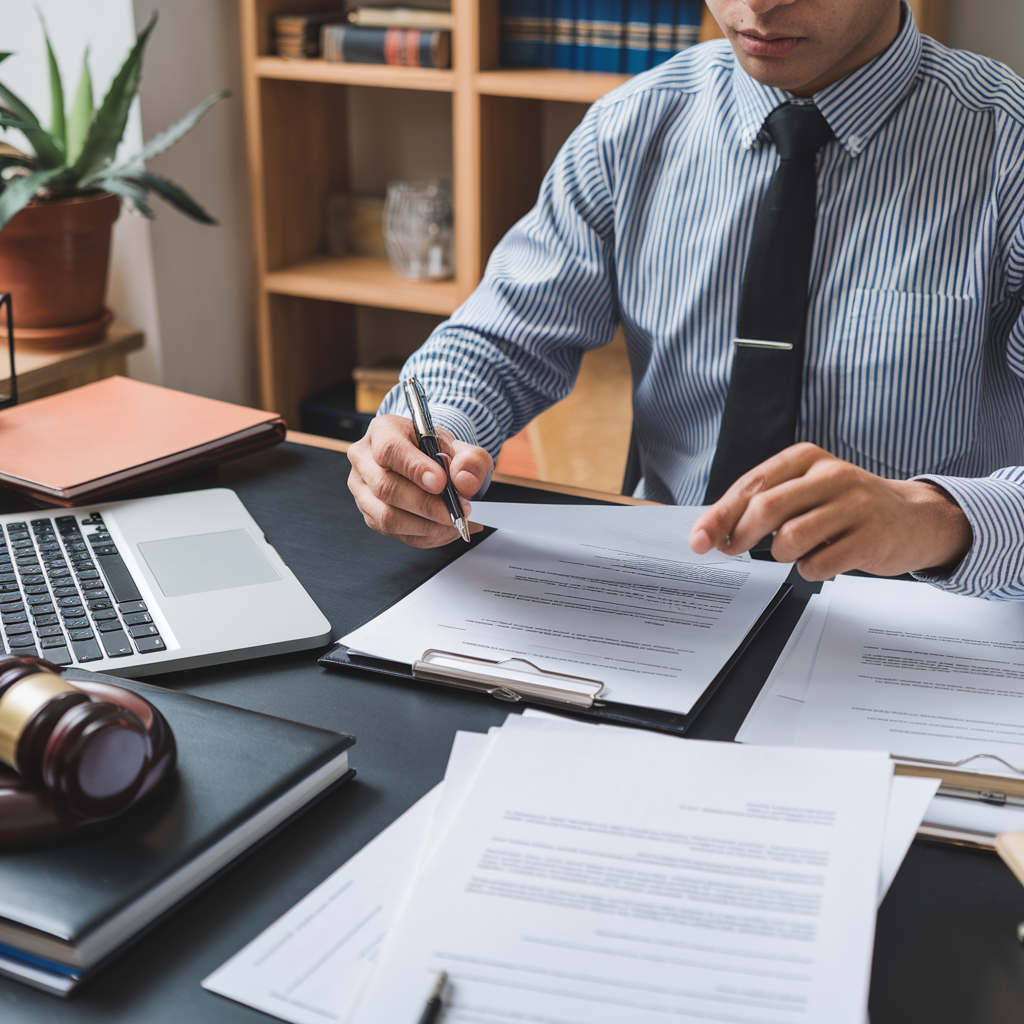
945	949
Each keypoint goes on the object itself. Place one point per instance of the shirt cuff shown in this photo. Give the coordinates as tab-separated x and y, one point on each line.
994	565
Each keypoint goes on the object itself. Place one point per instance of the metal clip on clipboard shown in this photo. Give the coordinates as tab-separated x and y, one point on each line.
511	680
992	789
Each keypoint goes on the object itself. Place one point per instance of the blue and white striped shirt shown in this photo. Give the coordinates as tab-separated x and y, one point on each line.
915	339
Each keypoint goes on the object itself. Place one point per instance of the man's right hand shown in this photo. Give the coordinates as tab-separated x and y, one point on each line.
397	487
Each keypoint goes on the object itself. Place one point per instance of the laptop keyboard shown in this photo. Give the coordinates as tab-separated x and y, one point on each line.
66	594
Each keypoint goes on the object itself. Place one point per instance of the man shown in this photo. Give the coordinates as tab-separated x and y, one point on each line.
911	417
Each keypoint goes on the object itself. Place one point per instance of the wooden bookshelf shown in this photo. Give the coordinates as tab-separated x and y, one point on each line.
297	139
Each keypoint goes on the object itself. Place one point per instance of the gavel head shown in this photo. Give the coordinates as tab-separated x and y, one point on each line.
90	755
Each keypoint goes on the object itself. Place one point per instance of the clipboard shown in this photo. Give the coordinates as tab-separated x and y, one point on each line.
519	682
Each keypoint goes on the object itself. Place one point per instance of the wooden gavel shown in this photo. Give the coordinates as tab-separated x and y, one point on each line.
92	752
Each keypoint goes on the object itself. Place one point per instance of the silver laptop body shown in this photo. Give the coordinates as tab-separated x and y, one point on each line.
152	585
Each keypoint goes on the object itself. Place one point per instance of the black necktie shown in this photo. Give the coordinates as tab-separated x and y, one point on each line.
763	402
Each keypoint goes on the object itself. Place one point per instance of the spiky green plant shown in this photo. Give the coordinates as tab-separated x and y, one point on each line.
75	155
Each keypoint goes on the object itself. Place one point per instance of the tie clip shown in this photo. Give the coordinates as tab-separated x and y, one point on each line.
783	346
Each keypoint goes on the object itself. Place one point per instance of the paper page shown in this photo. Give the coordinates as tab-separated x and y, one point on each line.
311	965
793	681
650	880
648	529
988	820
749	726
654	631
905	668
909	801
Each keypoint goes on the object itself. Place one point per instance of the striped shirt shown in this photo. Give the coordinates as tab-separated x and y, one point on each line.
915	339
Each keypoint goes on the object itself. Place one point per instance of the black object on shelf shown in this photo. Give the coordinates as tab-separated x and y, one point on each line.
332	413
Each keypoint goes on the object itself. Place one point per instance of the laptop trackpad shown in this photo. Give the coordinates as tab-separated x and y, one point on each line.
207	561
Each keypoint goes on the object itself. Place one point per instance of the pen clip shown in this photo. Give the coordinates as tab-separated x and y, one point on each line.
416	399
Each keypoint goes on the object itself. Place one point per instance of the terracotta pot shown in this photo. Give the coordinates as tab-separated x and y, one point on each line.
53	261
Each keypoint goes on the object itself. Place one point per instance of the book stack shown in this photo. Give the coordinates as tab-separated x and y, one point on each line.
624	36
298	35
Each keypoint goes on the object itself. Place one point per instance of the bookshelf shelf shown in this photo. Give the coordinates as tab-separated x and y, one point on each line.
379	75
548	84
362	281
303	139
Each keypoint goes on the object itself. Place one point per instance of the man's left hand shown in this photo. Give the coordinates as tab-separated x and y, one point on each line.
829	516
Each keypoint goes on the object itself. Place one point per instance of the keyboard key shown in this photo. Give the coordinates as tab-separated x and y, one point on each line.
46	620
39	598
105	614
148	644
58	655
69	601
137	618
8	586
65	591
121	584
88	574
21	640
82	623
11	603
36	588
133	606
93	585
48	631
11	617
135	632
81	634
32	580
8	577
17	628
116	644
86	650
107	627
99	605
104	549
58	573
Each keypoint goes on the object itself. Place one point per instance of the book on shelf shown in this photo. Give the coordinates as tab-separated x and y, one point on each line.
624	36
298	35
399	47
401	17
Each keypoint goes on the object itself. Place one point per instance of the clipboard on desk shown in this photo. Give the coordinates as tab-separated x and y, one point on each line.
519	682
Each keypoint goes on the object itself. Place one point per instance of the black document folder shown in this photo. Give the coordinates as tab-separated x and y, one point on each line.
494	683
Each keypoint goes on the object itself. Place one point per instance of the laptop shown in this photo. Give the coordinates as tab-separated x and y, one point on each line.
134	588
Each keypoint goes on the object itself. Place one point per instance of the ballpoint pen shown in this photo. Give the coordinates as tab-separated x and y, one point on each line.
435	1004
426	437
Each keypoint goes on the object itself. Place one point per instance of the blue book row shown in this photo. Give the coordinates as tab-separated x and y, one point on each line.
626	36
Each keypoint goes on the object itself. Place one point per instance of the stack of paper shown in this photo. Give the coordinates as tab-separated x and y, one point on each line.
932	678
582	872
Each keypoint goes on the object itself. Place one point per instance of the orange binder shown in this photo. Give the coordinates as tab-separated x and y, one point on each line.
104	439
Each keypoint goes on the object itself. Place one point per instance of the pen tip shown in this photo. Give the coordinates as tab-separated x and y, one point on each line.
463	527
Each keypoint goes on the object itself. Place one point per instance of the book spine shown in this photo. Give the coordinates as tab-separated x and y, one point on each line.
687	26
663	31
639	15
583	56
606	35
399	47
563	50
522	40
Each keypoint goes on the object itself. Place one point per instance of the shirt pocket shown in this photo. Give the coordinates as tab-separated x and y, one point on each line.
909	366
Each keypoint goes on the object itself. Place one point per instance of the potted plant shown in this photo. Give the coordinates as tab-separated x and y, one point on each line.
58	203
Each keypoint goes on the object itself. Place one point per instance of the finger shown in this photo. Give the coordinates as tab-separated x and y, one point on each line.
719	521
393	445
397	522
469	468
391	491
840	555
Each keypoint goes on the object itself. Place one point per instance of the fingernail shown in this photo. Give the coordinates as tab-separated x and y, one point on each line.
431	481
700	542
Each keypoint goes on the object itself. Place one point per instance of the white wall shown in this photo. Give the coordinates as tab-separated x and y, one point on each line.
107	27
205	275
994	28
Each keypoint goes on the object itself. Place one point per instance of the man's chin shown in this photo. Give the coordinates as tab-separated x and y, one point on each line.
789	73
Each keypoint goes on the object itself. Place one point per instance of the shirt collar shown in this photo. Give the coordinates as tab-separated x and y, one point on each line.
855	107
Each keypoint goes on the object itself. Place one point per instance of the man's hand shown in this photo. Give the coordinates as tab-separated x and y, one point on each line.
397	487
829	516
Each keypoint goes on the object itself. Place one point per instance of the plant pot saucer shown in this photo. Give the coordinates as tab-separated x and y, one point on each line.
65	336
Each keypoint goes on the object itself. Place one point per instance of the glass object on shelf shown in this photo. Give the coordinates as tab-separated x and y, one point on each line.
418	232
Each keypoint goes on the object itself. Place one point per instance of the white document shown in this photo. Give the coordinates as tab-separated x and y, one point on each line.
655	630
653	530
654	877
907	669
312	964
